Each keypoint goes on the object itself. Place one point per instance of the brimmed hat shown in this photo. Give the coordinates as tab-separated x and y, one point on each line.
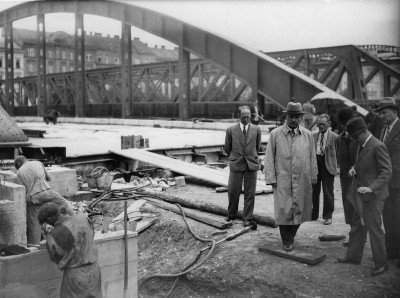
294	108
387	103
47	210
344	115
356	126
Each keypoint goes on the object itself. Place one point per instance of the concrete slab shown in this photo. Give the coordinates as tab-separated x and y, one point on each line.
12	214
306	257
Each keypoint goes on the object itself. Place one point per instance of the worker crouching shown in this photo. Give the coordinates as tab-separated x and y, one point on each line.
70	244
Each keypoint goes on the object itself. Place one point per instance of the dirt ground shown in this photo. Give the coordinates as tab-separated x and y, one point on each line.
238	269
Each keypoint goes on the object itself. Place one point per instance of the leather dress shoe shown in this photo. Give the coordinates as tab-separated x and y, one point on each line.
229	218
246	223
327	221
288	247
379	270
348	261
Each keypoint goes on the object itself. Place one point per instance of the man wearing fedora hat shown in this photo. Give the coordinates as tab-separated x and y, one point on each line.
291	169
346	155
390	135
372	171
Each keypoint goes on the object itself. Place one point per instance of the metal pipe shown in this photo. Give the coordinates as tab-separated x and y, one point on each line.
126	249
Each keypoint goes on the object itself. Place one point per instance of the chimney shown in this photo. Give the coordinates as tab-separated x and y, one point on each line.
108	35
155	46
163	47
97	34
116	36
136	39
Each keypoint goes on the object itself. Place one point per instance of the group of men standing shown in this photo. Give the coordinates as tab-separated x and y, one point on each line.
298	162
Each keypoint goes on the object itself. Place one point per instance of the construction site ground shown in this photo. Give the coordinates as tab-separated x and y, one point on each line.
235	268
238	269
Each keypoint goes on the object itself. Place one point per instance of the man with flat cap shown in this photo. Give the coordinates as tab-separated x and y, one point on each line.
71	246
390	136
291	169
346	155
372	171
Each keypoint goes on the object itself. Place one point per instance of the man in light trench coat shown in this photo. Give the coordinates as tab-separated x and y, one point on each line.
291	169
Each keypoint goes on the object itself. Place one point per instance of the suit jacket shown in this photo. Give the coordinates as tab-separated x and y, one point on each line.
330	154
374	169
393	145
243	151
346	156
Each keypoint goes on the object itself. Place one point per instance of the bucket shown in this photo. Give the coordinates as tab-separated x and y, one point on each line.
100	178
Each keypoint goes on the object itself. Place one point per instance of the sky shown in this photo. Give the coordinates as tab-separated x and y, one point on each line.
266	25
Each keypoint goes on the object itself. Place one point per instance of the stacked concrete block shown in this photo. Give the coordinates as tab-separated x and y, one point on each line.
134	142
62	180
12	214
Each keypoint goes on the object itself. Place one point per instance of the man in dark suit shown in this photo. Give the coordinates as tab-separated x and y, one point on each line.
390	136
242	143
347	150
372	172
325	142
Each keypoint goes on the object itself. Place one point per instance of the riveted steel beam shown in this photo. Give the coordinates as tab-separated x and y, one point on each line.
41	64
126	71
79	58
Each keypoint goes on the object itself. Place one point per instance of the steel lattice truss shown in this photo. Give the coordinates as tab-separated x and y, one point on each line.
349	66
156	82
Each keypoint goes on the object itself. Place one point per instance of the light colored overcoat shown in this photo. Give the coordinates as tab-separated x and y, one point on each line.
291	163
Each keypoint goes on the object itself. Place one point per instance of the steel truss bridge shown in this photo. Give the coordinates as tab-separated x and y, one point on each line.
222	74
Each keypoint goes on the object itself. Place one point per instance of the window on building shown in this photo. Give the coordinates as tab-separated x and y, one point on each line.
64	55
50	54
106	60
31	67
1	62
17	63
71	55
116	60
64	67
31	52
51	68
98	59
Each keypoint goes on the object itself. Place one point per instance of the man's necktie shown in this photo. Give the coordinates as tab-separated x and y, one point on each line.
387	131
244	130
292	133
321	144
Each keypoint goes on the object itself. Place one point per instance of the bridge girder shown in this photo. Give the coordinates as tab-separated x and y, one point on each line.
263	74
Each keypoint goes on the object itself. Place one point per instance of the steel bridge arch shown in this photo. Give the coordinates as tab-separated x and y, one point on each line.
272	79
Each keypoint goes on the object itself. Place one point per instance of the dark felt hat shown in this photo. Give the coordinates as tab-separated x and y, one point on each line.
356	126
344	115
47	210
294	108
387	103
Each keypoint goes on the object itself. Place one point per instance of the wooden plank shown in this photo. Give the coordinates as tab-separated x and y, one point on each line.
185	168
297	255
190	213
207	207
145	223
132	208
